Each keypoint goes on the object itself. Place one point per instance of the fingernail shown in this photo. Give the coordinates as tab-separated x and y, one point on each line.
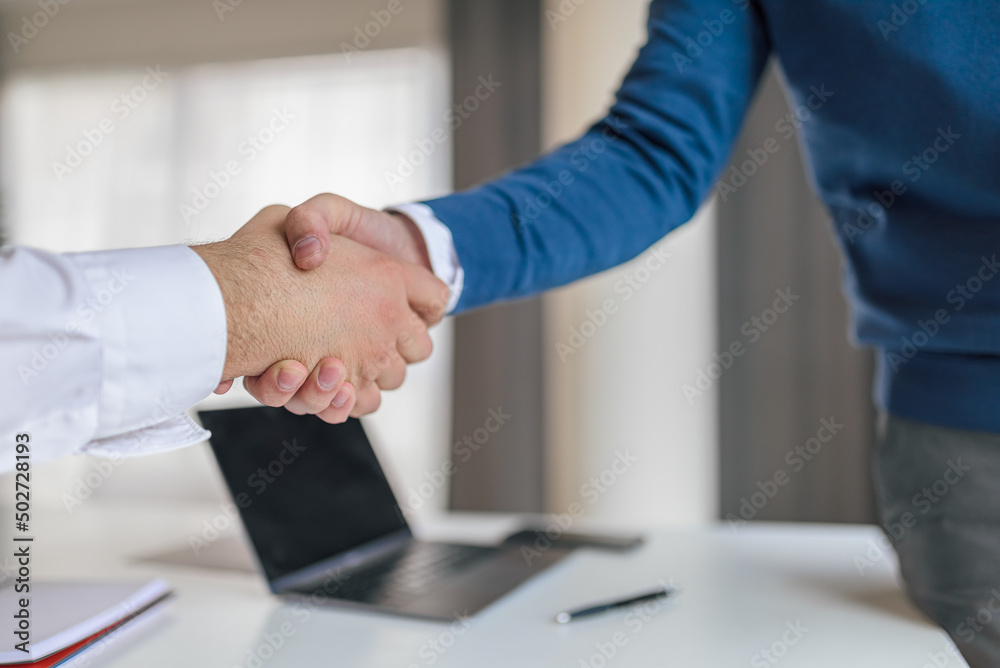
341	398
328	377
289	379
306	248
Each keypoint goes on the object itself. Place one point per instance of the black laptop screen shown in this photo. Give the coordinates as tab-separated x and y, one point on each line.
306	490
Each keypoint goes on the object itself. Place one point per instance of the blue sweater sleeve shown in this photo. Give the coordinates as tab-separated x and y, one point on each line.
640	172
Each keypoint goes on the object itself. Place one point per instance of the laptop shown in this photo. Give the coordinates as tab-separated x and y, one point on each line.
326	526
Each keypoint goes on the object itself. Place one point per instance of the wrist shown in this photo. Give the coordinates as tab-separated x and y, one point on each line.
415	248
223	262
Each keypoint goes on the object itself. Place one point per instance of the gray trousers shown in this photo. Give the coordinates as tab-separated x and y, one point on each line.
939	503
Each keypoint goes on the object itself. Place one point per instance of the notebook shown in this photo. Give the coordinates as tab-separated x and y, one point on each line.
63	614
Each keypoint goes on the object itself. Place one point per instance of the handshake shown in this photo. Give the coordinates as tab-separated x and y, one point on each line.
326	304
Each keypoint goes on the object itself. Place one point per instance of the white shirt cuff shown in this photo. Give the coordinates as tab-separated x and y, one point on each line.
440	249
163	331
174	433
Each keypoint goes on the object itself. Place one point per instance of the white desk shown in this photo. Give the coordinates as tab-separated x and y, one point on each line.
741	593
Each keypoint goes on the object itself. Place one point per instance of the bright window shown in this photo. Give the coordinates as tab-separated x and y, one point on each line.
147	156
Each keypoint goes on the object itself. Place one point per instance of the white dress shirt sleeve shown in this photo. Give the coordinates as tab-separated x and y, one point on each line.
102	352
440	248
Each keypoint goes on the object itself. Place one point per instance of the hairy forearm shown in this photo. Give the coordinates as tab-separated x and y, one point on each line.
245	274
225	268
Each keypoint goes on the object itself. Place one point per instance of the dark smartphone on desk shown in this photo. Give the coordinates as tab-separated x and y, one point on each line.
572	541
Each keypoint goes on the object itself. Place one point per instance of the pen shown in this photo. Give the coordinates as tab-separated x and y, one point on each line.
570	615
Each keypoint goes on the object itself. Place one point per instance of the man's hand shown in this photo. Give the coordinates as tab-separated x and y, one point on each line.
367	308
309	228
310	225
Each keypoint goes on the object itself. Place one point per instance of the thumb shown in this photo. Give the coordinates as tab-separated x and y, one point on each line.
310	224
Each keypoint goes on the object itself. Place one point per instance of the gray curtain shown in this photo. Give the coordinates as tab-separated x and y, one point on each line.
775	235
498	350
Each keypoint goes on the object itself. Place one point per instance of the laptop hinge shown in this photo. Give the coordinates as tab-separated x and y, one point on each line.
344	561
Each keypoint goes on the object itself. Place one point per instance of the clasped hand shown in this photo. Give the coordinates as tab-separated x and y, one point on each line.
345	311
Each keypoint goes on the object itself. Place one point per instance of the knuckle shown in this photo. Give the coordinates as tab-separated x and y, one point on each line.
266	395
318	400
368	401
332	416
391	270
422	345
300	218
436	309
390	313
328	199
368	373
383	361
426	348
274	401
275	210
311	407
394	379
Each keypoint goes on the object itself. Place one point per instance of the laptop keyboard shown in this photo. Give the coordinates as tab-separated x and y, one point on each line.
415	570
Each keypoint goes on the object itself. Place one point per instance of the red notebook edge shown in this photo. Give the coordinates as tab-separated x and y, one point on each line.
63	655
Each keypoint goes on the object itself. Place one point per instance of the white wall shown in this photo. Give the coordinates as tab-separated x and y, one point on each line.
621	391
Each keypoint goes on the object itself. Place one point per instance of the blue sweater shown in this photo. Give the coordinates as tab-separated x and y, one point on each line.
898	106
